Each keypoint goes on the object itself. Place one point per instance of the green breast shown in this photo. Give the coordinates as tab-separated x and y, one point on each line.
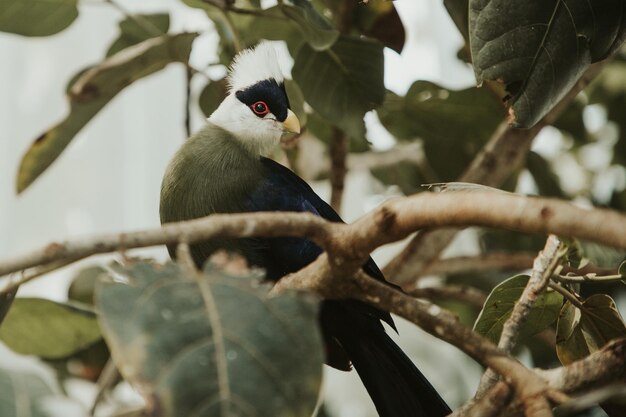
211	173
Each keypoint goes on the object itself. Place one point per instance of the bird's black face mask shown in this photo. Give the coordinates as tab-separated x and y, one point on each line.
264	97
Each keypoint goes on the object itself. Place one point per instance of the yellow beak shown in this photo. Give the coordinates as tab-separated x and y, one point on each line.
291	123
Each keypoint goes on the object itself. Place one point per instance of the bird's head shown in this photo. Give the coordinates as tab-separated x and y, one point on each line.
256	110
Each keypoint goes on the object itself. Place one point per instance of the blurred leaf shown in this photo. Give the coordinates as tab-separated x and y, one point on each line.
571	121
190	346
35	326
504	240
324	131
545	178
582	252
85	364
228	38
315	29
94	89
575	255
406	175
454	125
459	12
21	395
584	331
379	19
6	301
133	32
36	17
83	284
274	25
342	83
500	303
296	101
540	49
212	95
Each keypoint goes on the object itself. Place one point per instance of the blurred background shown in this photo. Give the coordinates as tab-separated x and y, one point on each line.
108	179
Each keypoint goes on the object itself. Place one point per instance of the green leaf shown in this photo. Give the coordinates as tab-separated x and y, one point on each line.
343	82
459	12
296	101
6	301
315	29
35	326
138	28
499	306
36	17
212	95
198	344
540	49
454	125
405	175
21	395
583	331
379	19
323	130
83	286
545	178
94	89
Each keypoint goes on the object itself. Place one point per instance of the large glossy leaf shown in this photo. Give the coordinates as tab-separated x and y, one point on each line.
379	19
35	326
502	300
138	28
586	330
540	48
207	345
21	395
343	82
94	89
315	29
36	17
454	125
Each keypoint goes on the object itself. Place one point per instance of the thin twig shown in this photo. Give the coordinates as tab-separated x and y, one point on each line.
567	294
543	268
107	380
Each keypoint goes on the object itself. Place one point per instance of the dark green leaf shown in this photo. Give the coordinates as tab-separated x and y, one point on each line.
500	303
406	175
138	28
459	12
199	344
83	284
212	95
36	17
21	395
296	101
324	131
342	83
454	125
547	181
35	326
540	49
584	331
6	301
273	25
94	89
379	19
315	29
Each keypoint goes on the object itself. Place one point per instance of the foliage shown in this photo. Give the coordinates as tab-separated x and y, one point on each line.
181	338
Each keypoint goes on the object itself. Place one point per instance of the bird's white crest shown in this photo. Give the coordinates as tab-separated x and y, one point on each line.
253	65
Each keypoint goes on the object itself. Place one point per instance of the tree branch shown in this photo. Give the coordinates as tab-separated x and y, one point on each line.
502	155
338	169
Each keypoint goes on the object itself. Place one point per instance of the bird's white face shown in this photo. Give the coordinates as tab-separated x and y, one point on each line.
256	111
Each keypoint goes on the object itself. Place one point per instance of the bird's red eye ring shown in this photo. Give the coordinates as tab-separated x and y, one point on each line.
260	108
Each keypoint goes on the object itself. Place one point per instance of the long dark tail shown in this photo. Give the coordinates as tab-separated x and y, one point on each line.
396	386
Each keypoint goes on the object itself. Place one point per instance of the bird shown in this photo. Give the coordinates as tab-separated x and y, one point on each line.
222	169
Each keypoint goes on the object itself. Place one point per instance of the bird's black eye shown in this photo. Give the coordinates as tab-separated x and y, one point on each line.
260	108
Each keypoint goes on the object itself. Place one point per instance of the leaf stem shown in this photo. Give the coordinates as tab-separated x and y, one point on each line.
567	294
